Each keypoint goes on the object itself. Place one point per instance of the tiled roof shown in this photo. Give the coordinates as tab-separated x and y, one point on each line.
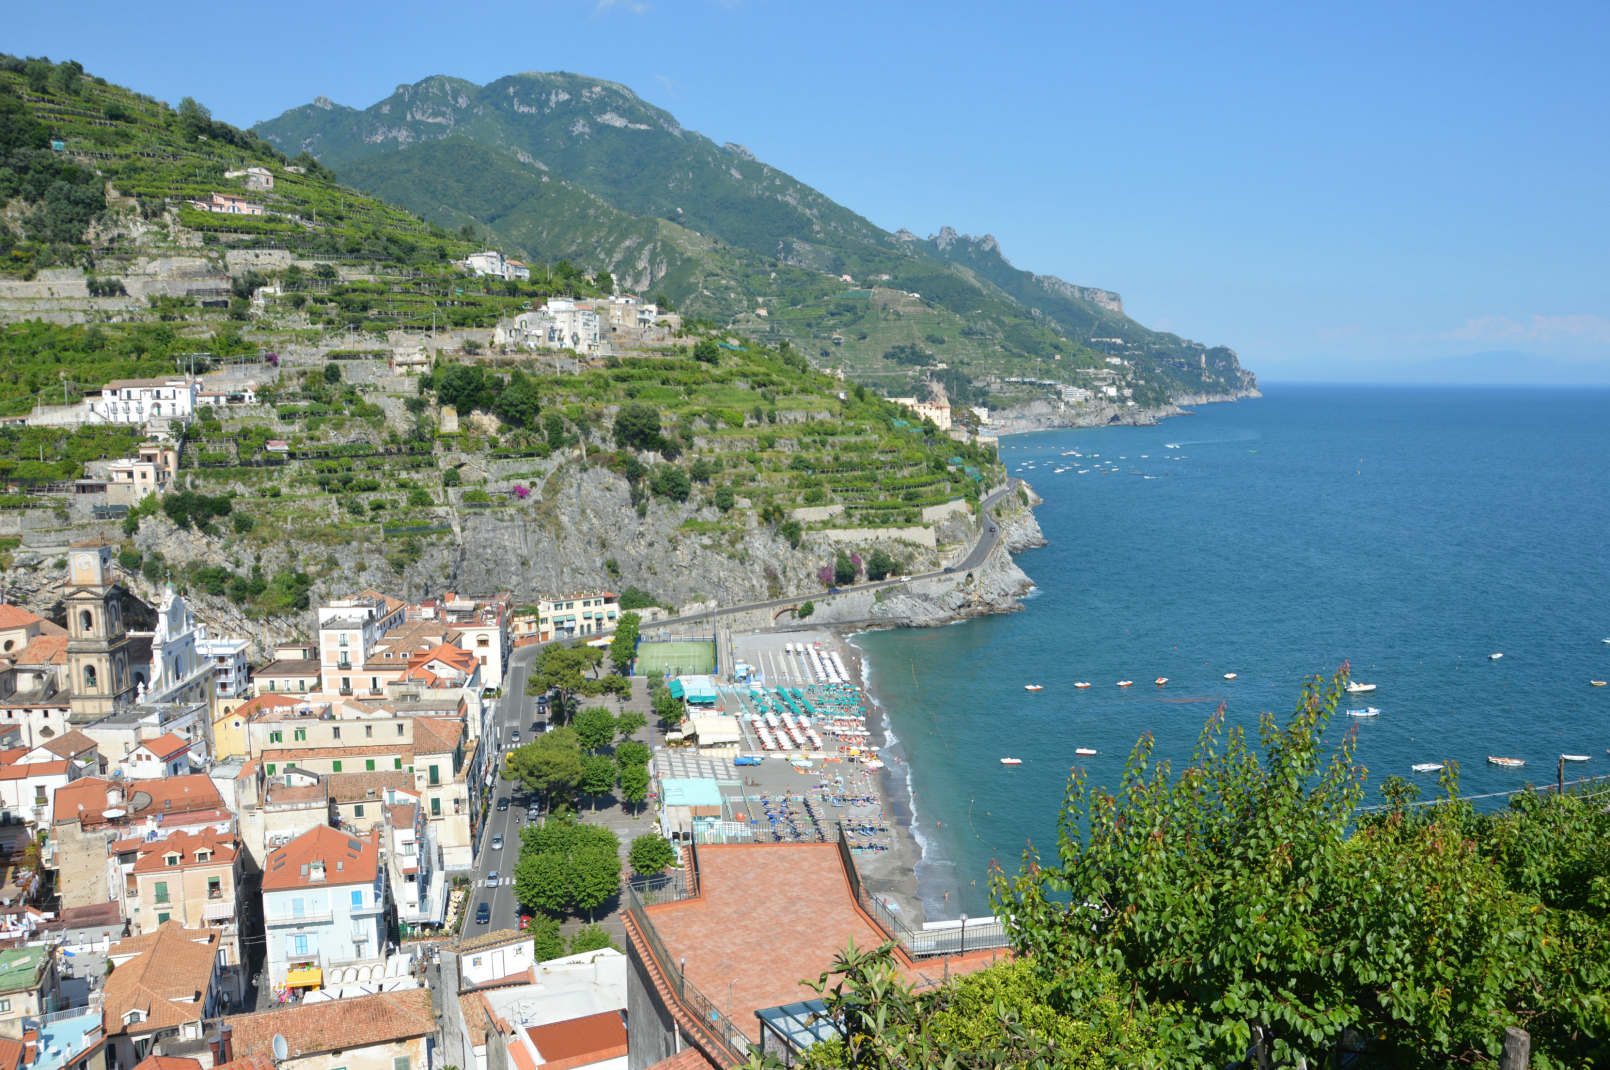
522	1058
437	735
14	755
71	745
154	859
447	654
167	1062
43	650
171	964
166	746
337	1024
689	1058
475	1011
355	787
33	769
268	700
16	617
85	799
289	667
251	1062
392	604
580	1041
346	860
11	1052
401	815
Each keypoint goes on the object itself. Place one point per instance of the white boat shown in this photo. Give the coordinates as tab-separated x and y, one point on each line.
1368	711
1229	676
1597	683
1494	657
1033	687
1081	684
1161	680
1126	683
1083	750
1575	758
1427	767
1507	763
1357	688
1011	761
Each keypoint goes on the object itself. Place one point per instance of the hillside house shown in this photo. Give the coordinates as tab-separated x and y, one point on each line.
140	401
325	902
228	204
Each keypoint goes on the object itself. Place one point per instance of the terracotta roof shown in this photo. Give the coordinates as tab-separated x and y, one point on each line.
337	1024
475	1011
43	650
292	667
280	793
166	746
167	1062
16	617
14	755
522	1058
85	799
447	654
402	815
11	1052
154	859
580	1041
251	1062
689	1058
392	604
437	735
355	787
346	860
172	963
33	769
71	745
268	700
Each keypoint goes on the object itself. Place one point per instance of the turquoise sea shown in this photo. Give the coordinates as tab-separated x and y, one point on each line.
1411	530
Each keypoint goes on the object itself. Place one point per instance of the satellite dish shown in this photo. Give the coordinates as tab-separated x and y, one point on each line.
281	1052
113	813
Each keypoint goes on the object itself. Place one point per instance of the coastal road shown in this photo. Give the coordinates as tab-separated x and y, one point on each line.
981	550
516	711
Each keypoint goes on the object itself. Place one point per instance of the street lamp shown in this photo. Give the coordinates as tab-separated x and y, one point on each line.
730	983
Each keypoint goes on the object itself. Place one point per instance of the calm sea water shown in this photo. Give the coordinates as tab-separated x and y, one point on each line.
1413	531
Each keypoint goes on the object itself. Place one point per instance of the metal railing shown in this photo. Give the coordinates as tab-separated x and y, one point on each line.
311	917
693	1001
982	935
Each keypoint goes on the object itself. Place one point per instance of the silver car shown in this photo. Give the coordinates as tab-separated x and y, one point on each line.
492	879
497	843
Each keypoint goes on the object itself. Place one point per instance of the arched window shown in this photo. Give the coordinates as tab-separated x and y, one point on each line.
86	621
89	678
156	410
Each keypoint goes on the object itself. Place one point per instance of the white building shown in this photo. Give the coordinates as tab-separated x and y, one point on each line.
939	414
560	324
568	616
230	666
491	262
131	479
1076	394
349	628
483	631
140	401
256	177
179	674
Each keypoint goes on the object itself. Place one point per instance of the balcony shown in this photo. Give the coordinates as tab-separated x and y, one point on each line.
311	917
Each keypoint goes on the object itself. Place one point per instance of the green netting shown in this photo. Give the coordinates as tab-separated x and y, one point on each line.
676	659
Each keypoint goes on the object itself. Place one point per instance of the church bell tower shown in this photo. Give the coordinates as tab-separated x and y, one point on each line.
101	679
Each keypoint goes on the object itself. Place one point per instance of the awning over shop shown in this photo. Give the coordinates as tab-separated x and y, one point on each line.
307	977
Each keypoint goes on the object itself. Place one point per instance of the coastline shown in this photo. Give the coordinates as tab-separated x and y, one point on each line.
1051	416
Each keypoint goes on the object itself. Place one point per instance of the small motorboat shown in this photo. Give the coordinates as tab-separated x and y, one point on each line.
1357	688
1229	676
1033	687
1161	680
1575	758
1427	767
1368	711
1011	761
1126	683
1494	657
1083	750
1082	684
1507	763
1596	683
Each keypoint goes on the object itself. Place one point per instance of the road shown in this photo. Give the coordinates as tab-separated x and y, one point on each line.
517	711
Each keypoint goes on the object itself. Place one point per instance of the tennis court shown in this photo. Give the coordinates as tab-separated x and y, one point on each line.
676	659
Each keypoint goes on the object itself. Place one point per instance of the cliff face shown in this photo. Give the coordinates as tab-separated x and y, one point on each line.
1043	415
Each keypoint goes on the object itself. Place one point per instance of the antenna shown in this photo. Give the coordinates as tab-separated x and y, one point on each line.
281	1052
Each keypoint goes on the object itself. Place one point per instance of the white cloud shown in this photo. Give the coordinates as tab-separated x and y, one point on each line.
636	7
1580	328
673	88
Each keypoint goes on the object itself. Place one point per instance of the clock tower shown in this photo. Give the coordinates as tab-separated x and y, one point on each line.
101	679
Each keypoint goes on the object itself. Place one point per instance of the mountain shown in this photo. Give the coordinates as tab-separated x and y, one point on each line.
562	166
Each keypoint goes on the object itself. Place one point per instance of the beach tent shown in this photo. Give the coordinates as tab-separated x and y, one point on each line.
696	690
713	731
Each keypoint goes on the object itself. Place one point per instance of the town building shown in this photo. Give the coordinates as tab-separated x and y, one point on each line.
491	262
34	697
349	630
256	177
923	410
18	628
164	985
483	630
358	800
228	204
229	733
28	786
192	878
30	987
442	781
166	755
559	324
385	1031
179	673
417	885
99	661
143	401
119	733
567	617
66	1040
324	906
131	480
294	670
231	669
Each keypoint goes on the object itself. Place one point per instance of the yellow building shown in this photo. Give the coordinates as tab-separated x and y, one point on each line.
233	714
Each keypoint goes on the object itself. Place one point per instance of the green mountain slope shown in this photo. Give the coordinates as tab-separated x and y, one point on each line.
564	166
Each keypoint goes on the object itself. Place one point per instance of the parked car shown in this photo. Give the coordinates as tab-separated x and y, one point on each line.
503	802
483	914
948	568
746	759
497	843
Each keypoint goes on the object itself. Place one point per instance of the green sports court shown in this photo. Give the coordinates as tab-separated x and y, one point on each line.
676	659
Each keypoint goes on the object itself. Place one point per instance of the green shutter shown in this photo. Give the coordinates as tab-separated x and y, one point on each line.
335	766
369	764
270	768
398	764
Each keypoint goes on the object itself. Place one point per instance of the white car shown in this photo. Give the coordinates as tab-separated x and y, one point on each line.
492	879
497	843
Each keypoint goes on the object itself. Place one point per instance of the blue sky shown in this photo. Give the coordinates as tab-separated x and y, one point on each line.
1336	193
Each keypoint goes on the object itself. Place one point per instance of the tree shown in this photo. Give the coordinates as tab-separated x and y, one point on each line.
650	854
672	482
700	471
631	752
792	531
636	598
451	477
725	499
597	775
843	569
707	351
590	938
628	724
623	647
595	875
332	372
520	403
637	426
544	932
879	565
671	710
634	784
604	281
805	610
563	669
542	881
619	686
550	763
595	727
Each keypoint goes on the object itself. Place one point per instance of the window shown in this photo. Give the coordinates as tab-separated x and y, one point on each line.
399	730
357	897
203	856
5	1004
300	735
335	766
301	685
357	810
161	891
39	795
396	763
89	678
369	764
276	737
435	775
343	638
215	888
270	768
172	860
335	733
483	641
436	808
299	944
368	731
400	1063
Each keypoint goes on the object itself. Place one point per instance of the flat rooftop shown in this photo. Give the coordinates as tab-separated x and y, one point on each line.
768	916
